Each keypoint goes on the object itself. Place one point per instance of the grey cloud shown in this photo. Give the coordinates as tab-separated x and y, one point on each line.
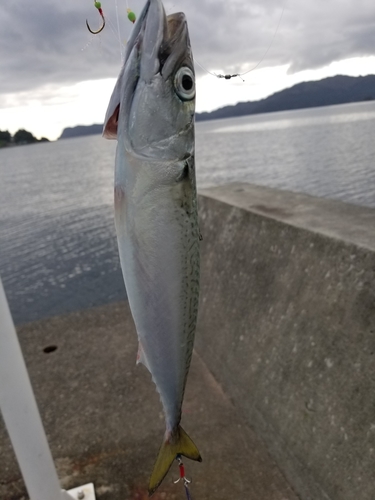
47	42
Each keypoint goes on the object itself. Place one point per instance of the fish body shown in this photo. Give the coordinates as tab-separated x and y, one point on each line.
151	113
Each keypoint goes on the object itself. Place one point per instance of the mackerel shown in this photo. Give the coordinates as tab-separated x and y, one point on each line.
151	114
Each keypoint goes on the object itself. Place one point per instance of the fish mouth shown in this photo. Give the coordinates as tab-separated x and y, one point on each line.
161	41
158	47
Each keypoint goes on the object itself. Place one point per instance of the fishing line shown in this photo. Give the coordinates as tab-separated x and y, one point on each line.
132	17
118	31
85	47
116	34
183	478
240	75
269	46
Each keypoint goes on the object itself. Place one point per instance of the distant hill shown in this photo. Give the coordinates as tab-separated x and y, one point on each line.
81	130
20	138
334	90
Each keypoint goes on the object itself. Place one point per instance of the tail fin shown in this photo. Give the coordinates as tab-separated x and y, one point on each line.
178	444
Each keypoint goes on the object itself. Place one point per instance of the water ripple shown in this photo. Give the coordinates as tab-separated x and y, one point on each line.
58	249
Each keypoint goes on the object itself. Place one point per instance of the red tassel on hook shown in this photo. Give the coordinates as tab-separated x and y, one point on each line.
182	477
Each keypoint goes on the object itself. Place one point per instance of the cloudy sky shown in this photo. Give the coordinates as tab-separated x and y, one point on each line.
55	74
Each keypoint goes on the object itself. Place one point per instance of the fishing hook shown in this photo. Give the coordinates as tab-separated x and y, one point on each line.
99	7
182	477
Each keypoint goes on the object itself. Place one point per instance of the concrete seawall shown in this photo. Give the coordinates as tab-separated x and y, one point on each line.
287	326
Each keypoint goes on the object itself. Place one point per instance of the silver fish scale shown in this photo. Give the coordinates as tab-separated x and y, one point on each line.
151	113
191	268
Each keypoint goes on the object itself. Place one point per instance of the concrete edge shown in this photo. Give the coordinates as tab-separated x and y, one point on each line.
349	223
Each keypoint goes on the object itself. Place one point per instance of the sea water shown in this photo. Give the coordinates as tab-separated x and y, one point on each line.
57	241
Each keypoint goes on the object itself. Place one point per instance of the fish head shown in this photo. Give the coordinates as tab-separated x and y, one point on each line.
152	106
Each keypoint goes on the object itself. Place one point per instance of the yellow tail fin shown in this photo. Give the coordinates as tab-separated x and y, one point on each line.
178	444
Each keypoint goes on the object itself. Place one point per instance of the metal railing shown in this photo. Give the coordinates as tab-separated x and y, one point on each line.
22	419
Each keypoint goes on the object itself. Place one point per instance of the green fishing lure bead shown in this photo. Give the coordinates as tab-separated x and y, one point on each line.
131	16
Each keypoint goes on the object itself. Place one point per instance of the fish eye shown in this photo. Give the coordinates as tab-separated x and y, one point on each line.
184	83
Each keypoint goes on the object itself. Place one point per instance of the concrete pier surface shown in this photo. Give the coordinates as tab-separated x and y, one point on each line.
104	420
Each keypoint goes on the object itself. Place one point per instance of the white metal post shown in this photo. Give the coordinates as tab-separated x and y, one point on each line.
21	415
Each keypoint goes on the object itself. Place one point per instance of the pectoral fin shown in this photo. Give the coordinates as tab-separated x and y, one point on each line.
141	357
